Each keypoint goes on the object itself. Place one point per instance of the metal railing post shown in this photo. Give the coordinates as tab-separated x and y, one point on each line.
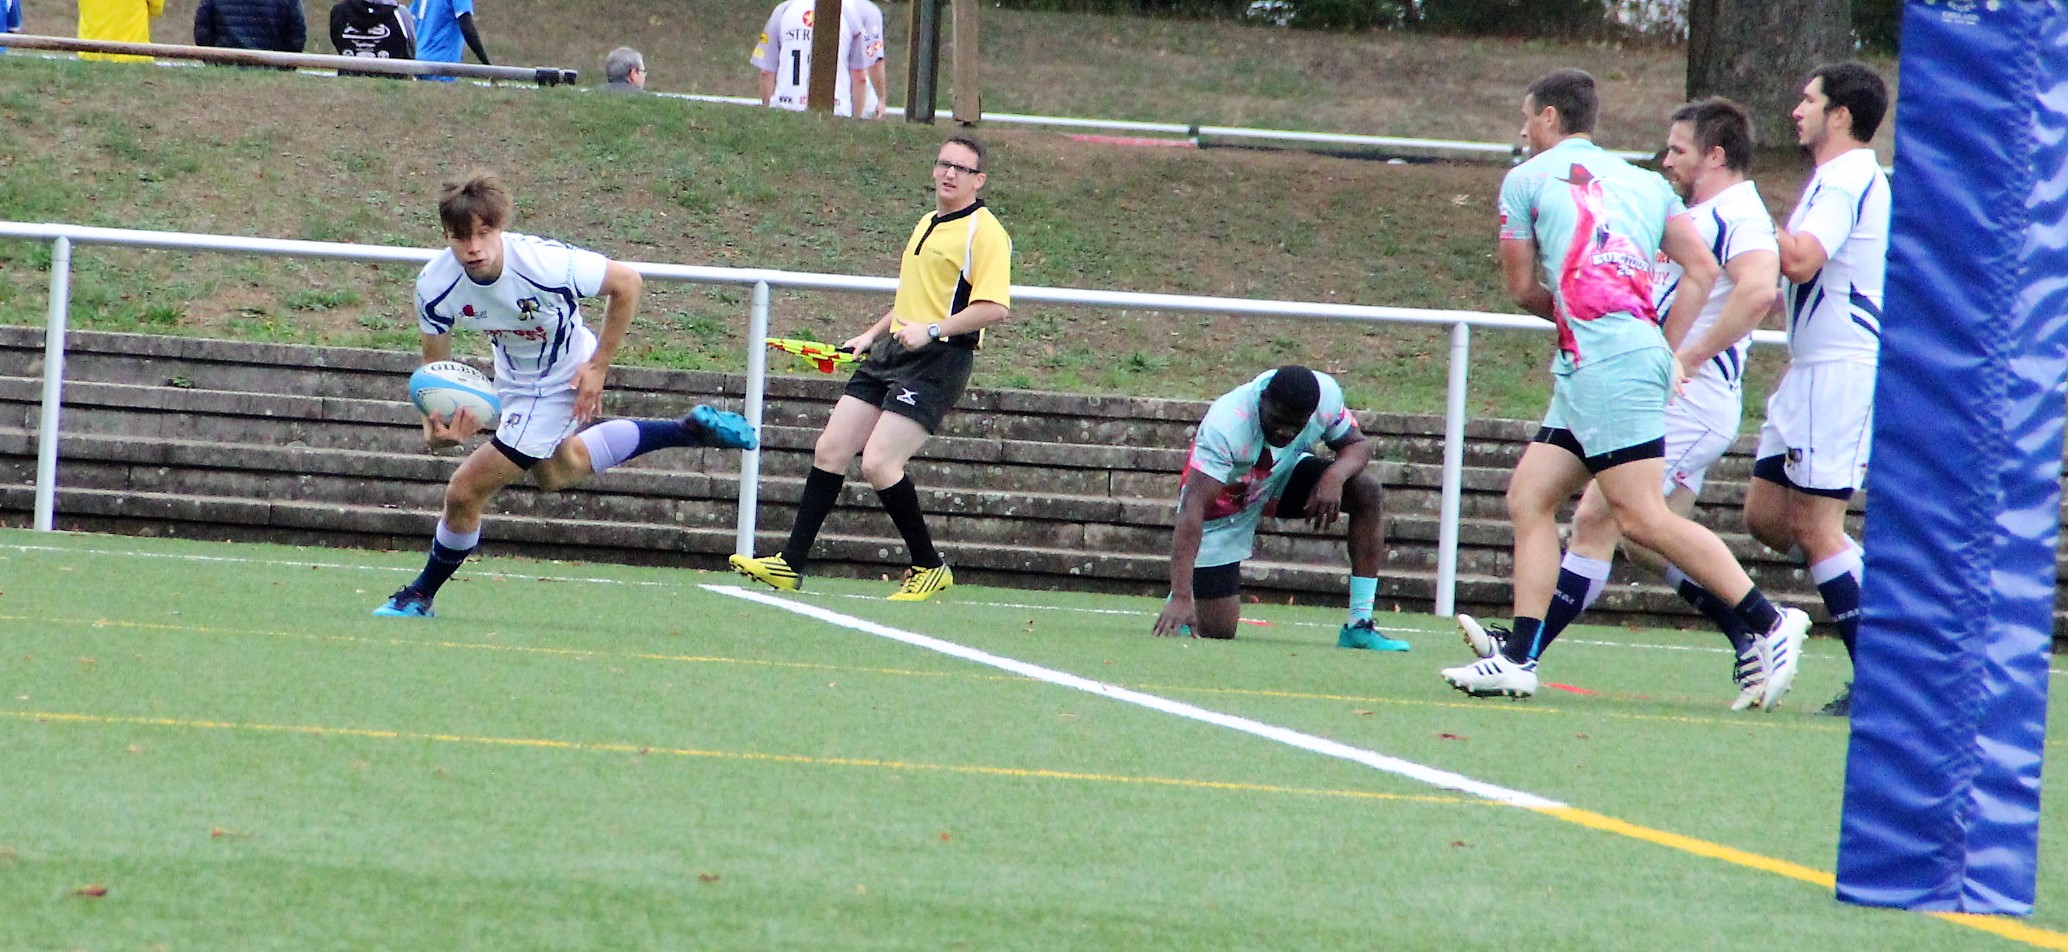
1453	471
757	381
53	383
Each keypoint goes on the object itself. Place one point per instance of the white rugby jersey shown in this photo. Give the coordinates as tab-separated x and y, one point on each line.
1836	315
785	50
1733	222
532	313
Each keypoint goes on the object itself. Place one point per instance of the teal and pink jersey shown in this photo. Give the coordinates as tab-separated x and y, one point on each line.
1230	447
1597	222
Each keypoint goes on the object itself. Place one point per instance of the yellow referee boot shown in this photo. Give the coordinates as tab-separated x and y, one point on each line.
771	571
921	584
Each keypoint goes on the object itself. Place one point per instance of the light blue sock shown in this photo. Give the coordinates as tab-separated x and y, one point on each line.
1363	591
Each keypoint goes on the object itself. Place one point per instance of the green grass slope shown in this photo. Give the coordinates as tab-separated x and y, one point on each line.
304	156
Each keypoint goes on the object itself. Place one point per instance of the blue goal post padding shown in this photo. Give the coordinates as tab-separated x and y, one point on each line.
1949	703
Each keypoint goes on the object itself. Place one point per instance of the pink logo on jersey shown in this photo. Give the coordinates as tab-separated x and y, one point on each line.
1605	273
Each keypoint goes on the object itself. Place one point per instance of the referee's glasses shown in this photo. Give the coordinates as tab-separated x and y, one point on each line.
947	166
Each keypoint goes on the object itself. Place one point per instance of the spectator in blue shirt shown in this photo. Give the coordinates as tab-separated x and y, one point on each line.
441	25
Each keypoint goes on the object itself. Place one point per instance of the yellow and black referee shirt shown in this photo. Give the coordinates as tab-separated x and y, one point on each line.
953	259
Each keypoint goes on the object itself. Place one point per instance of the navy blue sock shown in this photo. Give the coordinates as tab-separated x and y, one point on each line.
444	561
821	491
662	434
1757	613
901	500
1718	613
1567	602
1522	646
1842	597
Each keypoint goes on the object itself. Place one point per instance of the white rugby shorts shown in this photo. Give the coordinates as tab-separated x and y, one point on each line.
535	425
1701	425
1820	420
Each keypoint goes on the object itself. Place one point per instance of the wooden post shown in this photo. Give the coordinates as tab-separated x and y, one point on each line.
826	66
969	99
922	77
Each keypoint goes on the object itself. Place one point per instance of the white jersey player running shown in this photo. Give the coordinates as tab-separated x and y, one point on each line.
784	56
1708	152
1820	420
525	294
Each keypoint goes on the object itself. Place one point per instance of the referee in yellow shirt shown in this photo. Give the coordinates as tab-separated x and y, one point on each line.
954	280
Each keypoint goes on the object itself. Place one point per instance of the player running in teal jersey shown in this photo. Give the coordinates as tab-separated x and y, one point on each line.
1579	232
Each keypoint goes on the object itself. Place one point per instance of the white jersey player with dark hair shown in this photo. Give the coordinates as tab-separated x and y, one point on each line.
1813	449
784	57
1708	153
1820	421
525	293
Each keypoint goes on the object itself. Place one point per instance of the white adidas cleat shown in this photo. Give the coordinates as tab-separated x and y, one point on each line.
1781	655
1751	680
1494	677
1484	640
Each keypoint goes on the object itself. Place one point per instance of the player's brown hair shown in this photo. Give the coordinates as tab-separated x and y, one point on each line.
476	200
970	142
1571	91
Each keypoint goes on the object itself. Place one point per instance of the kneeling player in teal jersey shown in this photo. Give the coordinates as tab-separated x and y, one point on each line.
1249	460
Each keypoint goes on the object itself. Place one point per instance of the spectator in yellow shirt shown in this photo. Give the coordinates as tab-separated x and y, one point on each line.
122	21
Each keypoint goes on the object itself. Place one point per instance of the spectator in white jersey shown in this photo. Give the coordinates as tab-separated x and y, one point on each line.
1580	233
624	71
525	292
877	99
1813	449
784	57
1708	155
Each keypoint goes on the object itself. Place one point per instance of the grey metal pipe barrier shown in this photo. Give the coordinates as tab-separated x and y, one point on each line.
542	75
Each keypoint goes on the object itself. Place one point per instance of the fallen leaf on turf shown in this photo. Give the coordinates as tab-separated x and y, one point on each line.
94	890
222	834
1581	736
860	889
1367	713
1446	735
944	836
1461	844
708	877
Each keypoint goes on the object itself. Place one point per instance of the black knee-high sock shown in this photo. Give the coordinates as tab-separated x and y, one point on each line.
444	561
821	491
1757	613
1721	614
901	500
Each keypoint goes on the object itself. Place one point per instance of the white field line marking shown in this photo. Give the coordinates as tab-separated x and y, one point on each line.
131	553
1393	765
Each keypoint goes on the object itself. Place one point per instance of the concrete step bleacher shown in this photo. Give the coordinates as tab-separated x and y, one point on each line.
317	446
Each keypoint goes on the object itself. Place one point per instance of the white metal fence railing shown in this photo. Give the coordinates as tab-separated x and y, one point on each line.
63	237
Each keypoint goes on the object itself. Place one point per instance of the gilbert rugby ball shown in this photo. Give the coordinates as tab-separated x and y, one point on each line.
442	388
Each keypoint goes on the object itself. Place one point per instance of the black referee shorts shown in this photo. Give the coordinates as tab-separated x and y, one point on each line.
921	385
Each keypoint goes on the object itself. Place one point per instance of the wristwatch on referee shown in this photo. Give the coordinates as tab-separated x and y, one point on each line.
933	331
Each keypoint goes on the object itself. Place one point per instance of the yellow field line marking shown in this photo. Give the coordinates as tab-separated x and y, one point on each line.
1998	925
748	756
1394	765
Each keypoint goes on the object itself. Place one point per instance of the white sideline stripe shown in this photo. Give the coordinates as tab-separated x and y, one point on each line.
132	553
298	563
1393	765
1134	612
